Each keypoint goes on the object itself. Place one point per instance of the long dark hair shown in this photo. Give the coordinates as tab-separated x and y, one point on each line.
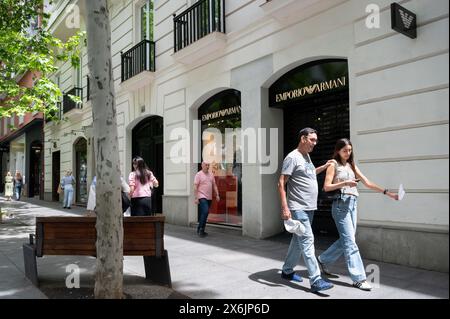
142	172
340	144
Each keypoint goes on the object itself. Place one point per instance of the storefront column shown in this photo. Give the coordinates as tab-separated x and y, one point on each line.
260	207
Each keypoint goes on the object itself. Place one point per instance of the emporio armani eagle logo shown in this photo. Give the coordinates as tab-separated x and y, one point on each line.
406	18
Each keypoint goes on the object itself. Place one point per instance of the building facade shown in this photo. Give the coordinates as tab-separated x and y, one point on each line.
21	147
186	71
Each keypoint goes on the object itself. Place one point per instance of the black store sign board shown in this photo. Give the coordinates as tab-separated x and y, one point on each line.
403	20
309	81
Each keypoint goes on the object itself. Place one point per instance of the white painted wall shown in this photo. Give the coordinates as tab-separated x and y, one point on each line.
398	94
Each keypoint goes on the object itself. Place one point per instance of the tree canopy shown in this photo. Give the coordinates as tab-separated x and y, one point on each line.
26	45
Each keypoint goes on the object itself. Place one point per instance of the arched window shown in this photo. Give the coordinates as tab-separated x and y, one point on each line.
222	113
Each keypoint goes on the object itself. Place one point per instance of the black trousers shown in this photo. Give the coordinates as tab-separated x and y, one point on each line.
141	206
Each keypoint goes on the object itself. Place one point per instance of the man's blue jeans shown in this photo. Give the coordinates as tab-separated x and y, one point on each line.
303	245
203	211
344	211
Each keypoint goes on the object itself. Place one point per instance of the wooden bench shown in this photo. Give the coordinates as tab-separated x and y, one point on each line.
143	236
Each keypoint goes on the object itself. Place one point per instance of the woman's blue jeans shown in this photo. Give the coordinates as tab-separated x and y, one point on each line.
18	191
344	211
203	211
68	195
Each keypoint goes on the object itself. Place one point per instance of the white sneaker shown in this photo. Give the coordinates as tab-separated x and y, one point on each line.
363	285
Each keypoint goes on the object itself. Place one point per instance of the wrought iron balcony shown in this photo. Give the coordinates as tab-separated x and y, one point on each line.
139	58
68	103
201	19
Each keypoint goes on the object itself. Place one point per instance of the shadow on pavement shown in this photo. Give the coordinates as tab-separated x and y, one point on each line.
272	278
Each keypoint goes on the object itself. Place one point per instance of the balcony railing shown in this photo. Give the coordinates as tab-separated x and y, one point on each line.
68	103
139	58
201	19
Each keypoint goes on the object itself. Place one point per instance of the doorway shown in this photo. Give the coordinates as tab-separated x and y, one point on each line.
35	169
81	191
56	177
315	95
330	117
148	143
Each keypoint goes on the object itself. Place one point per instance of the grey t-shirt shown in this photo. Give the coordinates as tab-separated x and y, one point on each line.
302	188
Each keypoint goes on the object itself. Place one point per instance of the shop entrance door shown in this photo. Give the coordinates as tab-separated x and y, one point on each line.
35	169
148	143
56	177
328	115
81	190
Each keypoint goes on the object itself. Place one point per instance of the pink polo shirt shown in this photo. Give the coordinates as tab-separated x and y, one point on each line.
204	183
139	189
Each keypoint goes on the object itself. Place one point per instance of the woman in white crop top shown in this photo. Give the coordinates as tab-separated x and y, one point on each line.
343	177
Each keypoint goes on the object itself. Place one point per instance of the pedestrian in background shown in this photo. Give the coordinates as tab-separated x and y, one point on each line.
18	184
204	184
67	183
9	186
141	182
91	204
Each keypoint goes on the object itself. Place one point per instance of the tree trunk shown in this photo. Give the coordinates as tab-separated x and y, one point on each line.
109	270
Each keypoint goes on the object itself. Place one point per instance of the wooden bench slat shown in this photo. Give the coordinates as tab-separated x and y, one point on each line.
69	236
68	241
74	252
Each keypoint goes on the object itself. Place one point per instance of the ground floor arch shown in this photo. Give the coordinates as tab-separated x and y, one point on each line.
81	171
316	95
148	142
35	169
217	116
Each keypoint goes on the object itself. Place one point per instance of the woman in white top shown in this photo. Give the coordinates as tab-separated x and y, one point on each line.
67	184
9	185
343	177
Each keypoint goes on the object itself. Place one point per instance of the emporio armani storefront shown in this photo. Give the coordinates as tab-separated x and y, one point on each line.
314	95
387	92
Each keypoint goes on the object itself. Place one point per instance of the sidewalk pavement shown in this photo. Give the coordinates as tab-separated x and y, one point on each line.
224	265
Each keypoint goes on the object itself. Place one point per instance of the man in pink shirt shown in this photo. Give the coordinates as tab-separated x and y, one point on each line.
204	184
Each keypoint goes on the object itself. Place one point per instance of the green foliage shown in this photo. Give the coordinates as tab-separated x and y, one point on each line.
25	47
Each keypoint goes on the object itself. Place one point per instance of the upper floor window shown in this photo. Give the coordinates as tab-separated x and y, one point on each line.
146	25
78	73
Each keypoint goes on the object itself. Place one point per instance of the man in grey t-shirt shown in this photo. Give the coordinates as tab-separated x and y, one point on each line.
300	175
